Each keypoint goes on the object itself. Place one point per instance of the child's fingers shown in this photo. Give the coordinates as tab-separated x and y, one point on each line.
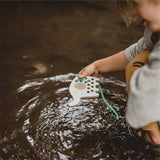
87	71
82	73
96	74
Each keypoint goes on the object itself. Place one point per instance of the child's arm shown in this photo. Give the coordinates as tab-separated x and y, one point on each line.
117	62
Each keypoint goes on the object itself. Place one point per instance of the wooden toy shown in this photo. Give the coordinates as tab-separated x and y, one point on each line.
83	88
88	87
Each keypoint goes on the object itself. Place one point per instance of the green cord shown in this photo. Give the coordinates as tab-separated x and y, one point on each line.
100	89
81	80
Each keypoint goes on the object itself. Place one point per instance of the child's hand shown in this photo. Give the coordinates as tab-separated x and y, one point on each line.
89	70
152	136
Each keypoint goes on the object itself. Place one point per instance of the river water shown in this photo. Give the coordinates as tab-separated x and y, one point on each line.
43	46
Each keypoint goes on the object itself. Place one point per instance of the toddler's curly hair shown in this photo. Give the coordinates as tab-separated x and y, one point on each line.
126	7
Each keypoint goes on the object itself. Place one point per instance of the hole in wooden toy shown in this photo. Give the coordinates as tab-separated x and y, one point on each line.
92	86
92	90
88	84
92	82
80	86
97	85
88	91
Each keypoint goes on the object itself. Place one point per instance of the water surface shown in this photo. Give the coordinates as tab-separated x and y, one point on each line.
43	46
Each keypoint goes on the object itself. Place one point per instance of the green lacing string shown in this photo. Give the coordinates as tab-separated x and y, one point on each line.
112	109
100	89
81	80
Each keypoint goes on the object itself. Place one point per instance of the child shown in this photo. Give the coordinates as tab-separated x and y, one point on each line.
143	60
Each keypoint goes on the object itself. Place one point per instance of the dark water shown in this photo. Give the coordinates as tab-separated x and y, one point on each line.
42	47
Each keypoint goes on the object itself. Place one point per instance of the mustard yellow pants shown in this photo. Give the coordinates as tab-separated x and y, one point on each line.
134	64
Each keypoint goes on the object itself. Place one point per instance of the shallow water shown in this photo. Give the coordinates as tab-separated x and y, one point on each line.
46	128
43	46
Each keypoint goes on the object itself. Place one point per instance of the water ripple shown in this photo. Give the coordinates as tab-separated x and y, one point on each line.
52	130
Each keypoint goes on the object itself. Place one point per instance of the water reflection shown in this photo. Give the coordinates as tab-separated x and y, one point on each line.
49	129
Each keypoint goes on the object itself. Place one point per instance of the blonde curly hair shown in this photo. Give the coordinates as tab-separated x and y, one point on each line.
126	8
